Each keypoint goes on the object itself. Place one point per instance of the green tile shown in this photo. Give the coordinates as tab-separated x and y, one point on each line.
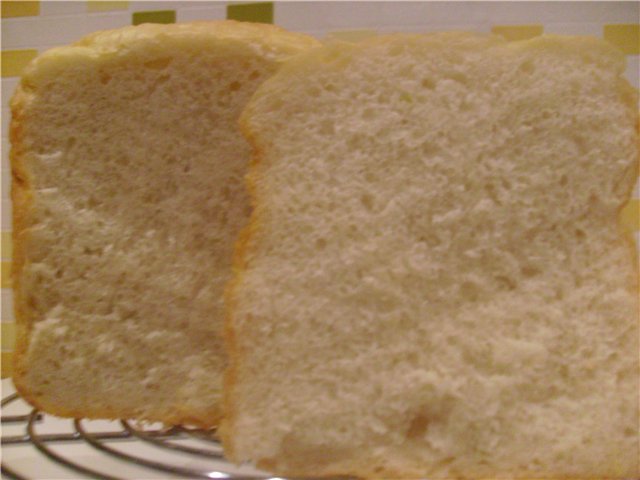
156	16
261	12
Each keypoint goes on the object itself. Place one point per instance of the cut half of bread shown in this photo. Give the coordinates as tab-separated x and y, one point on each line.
128	195
433	283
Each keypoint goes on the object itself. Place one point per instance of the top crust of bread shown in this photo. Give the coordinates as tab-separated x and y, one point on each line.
196	401
324	446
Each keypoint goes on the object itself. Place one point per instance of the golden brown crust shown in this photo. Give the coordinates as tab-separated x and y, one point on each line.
22	199
266	34
239	265
630	97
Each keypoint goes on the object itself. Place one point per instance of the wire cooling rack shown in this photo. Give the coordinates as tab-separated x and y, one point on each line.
36	445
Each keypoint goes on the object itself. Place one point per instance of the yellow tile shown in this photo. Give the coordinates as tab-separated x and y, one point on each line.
6	275
7	364
153	16
19	9
261	12
624	36
103	6
6	246
8	334
518	32
14	61
351	35
630	216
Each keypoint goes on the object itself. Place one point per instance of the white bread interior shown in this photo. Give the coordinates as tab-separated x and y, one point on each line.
434	283
128	195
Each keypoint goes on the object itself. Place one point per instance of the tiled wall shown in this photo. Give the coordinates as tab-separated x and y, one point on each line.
30	27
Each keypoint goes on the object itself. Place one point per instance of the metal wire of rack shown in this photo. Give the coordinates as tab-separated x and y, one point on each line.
169	452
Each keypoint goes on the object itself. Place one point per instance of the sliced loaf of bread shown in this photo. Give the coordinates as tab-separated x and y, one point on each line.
433	283
128	195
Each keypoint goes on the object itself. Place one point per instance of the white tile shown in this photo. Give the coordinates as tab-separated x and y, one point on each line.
302	17
6	147
7	305
5	206
159	5
305	16
406	16
106	21
6	119
562	12
427	28
213	12
372	15
8	86
578	28
6	184
63	8
633	70
33	32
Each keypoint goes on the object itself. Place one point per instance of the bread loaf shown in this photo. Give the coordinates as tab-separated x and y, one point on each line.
433	283
128	195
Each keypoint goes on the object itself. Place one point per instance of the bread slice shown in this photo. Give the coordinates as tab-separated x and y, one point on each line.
128	195
433	283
